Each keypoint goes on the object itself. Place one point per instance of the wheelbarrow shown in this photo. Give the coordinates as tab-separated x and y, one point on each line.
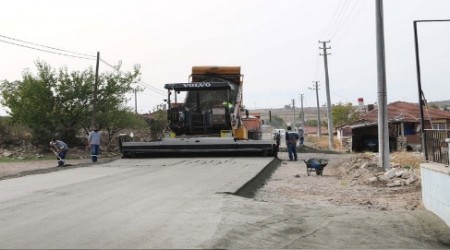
315	164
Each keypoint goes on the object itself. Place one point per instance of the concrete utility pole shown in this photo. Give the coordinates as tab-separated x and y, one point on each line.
94	99
135	101
293	108
319	128
383	131
303	113
327	86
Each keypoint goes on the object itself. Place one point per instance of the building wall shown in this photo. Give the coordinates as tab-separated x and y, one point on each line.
435	189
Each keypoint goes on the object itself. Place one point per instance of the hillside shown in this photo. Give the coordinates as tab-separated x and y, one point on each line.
288	114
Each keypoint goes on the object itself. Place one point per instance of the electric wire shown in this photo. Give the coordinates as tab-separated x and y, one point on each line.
61	52
47	51
330	24
158	91
40	45
342	16
142	84
353	14
76	55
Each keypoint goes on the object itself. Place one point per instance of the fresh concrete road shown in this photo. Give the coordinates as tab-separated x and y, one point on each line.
128	203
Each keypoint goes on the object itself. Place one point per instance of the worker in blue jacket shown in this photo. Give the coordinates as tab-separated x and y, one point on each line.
291	143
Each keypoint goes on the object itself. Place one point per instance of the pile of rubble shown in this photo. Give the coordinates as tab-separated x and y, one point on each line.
395	177
364	169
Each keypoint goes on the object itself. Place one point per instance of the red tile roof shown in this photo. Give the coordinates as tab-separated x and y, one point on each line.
408	112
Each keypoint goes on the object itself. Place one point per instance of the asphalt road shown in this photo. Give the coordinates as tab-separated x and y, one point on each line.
128	203
189	203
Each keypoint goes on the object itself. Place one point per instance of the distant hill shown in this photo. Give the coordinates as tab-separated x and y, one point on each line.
287	114
443	105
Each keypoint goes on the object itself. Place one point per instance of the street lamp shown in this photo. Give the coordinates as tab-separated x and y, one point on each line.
419	83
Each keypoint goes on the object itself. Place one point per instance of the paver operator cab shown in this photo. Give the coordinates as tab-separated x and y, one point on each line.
212	119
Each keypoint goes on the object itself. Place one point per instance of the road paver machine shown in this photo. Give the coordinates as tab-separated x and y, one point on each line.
210	121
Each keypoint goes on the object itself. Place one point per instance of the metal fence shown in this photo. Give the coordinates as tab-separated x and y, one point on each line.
437	148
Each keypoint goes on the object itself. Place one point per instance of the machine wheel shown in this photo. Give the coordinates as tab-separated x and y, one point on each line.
319	171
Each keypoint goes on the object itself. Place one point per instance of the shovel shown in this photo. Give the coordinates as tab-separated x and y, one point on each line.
57	155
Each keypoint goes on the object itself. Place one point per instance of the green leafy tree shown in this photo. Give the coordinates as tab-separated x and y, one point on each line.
60	103
277	122
115	121
343	114
158	122
31	101
311	123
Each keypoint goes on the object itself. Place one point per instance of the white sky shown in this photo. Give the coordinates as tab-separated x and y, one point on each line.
274	41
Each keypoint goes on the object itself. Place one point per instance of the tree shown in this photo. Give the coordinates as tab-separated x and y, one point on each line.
158	122
277	122
115	121
344	114
311	123
60	103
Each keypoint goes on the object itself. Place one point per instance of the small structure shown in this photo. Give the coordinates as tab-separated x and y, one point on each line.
404	125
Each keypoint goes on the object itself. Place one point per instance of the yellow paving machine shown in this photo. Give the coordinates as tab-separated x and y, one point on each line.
210	121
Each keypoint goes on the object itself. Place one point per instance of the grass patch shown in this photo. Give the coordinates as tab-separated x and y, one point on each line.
25	159
407	159
322	142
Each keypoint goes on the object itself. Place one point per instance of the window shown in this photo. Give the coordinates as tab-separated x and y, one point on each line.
440	124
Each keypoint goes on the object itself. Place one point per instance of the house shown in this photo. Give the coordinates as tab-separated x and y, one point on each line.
404	125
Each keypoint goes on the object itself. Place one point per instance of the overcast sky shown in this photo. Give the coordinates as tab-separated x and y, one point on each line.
276	43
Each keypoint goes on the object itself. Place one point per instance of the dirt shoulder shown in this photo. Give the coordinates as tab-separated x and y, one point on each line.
27	167
341	209
345	182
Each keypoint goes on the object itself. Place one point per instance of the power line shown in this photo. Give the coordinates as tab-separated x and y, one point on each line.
143	84
339	22
36	44
47	51
158	91
353	13
109	65
71	54
330	24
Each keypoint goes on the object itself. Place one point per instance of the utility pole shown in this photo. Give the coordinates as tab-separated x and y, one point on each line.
94	99
135	101
303	113
383	131
327	86
316	88
293	107
419	84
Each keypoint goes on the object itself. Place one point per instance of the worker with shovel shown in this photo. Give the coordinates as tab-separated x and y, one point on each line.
60	152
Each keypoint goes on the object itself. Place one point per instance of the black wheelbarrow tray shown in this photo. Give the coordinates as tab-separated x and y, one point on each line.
315	164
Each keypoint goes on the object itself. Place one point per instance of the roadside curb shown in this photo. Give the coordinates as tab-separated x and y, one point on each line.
249	189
